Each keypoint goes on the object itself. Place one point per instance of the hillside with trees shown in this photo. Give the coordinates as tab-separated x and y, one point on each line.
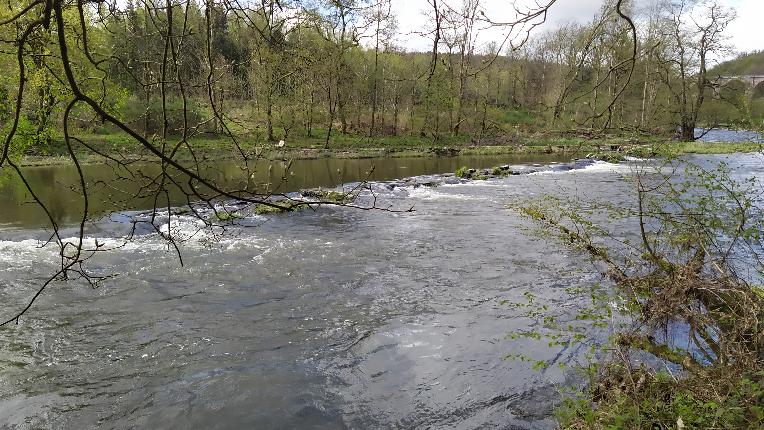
744	64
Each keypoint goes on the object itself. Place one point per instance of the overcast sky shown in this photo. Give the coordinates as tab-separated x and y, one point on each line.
746	32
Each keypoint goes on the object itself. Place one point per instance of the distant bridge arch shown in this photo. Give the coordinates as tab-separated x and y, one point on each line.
753	85
758	90
752	81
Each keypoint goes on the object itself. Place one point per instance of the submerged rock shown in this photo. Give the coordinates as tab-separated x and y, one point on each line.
328	196
280	206
607	157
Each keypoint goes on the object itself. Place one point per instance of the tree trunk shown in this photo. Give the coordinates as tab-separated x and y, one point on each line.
269	116
309	126
687	131
331	118
374	85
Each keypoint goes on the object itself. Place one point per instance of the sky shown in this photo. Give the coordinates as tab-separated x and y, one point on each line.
745	32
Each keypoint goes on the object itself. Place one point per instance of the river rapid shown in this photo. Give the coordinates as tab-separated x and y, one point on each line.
329	319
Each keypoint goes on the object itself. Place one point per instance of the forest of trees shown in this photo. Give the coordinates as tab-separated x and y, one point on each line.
274	70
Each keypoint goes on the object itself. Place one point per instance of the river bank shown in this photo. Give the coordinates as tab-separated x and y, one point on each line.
608	147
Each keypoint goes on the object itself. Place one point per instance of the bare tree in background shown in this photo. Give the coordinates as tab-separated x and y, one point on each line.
694	34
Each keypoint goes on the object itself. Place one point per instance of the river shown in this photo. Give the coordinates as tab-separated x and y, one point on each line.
725	135
328	319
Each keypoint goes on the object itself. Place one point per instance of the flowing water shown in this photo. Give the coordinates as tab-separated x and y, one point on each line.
57	186
328	319
726	135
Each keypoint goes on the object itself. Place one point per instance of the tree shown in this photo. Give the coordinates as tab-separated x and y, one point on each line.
693	33
687	343
384	25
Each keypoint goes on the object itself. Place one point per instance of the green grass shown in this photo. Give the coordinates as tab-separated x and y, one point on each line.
661	402
348	146
712	147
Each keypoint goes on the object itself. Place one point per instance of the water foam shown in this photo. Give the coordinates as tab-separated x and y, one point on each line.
596	167
430	194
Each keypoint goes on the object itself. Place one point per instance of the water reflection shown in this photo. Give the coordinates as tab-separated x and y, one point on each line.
57	185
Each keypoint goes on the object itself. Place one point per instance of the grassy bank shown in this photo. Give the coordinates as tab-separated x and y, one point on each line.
219	148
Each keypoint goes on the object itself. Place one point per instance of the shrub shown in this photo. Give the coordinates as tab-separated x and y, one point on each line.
695	235
139	115
463	172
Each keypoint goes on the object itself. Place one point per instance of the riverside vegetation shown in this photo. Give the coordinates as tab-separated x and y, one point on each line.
683	301
332	80
688	343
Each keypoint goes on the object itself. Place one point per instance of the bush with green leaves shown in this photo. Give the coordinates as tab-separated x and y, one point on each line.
693	271
31	138
150	117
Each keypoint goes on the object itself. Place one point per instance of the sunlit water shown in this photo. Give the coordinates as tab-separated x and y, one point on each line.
338	318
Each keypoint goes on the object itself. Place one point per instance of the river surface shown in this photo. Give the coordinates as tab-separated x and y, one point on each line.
726	135
328	319
57	186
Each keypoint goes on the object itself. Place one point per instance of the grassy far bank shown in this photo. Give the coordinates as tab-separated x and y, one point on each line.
210	147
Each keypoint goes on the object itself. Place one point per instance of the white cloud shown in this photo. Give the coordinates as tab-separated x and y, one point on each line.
413	21
744	32
573	10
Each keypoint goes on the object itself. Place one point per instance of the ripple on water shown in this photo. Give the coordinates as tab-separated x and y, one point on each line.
331	319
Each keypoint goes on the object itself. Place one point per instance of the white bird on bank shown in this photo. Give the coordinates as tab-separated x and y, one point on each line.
281	144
